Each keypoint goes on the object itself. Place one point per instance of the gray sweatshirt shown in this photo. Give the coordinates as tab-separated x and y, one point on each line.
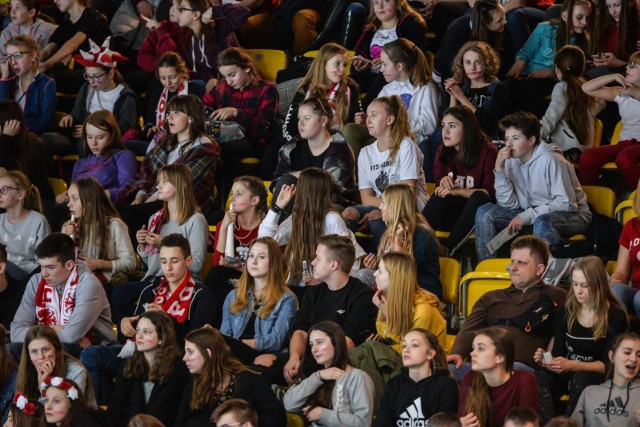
620	402
119	248
546	183
21	239
352	399
196	230
555	128
92	311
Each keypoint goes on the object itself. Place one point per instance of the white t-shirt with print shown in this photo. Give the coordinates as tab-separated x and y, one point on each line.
376	171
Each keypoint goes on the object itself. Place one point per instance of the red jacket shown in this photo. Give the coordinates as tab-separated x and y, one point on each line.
168	38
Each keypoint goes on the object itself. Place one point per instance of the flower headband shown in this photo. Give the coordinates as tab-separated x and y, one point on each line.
21	402
62	384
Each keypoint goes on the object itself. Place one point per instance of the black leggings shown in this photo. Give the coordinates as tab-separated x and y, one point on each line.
455	214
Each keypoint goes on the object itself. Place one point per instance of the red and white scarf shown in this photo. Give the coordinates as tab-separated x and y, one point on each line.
337	123
155	224
176	305
50	309
161	111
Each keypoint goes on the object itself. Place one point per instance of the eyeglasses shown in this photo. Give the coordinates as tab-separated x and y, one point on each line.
94	78
229	425
4	190
183	9
13	56
632	65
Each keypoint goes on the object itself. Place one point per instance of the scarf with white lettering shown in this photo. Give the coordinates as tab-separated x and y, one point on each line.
176	305
50	309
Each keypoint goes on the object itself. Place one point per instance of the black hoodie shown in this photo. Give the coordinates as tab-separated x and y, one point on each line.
406	403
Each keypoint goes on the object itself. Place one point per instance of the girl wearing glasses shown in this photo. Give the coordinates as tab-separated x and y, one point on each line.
463	170
213	30
26	83
23	220
626	153
104	90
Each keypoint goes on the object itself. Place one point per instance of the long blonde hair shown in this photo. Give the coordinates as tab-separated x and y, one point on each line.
312	204
317	83
402	210
601	296
401	127
276	287
403	287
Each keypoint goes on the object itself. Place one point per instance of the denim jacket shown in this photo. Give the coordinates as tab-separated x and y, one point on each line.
6	395
271	332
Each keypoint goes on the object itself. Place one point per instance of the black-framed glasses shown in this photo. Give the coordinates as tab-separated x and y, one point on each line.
183	9
4	190
95	77
632	65
15	56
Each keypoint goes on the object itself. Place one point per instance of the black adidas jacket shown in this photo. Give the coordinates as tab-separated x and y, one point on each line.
412	403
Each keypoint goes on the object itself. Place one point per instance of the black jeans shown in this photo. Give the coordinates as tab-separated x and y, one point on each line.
455	214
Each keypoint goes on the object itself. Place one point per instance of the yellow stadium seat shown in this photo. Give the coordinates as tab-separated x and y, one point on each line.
624	211
207	264
58	185
431	187
597	134
614	140
449	277
269	62
314	53
449	343
475	284
601	198
611	267
494	264
294	420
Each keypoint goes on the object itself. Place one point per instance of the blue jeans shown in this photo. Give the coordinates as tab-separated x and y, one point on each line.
377	227
101	360
629	297
491	219
521	22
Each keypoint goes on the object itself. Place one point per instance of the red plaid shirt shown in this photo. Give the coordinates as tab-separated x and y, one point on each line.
257	105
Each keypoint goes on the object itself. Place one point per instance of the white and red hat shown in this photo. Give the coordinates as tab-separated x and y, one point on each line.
99	56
